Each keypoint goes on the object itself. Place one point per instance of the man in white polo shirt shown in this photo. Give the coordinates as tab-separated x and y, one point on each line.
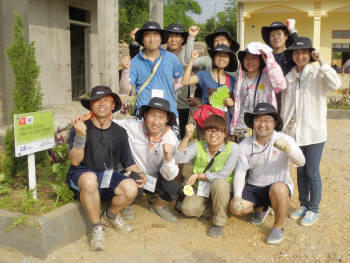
266	156
152	143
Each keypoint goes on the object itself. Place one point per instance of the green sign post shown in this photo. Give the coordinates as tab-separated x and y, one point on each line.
34	132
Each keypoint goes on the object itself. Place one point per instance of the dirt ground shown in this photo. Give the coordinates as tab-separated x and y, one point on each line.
155	240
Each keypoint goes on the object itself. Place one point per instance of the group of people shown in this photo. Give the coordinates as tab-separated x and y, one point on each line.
272	110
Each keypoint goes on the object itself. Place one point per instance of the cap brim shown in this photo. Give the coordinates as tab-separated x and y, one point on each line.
183	34
232	66
265	33
139	34
288	52
144	108
118	103
209	39
249	119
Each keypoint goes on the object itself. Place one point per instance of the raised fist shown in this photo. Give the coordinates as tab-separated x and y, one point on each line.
189	130
282	145
193	31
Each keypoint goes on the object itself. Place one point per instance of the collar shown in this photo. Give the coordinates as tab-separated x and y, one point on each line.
292	76
154	140
256	143
161	53
221	149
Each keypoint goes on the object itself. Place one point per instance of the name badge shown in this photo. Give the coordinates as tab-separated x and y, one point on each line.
158	93
203	188
150	184
106	179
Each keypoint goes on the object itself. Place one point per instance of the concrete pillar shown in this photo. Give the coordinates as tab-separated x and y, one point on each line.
7	22
108	41
156	11
317	32
240	30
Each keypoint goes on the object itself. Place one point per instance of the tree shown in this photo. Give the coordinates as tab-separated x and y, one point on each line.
132	13
226	19
27	95
179	11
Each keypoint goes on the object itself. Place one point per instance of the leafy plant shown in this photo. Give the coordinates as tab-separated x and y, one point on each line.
63	193
27	97
29	205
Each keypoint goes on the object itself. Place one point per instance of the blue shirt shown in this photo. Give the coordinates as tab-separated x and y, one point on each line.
169	69
206	82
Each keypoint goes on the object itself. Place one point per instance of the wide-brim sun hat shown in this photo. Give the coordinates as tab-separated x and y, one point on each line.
300	43
209	39
161	104
177	29
151	26
266	30
97	93
241	55
232	66
263	109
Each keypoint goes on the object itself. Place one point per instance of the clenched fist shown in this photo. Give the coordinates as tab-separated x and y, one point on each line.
168	152
189	130
193	31
282	145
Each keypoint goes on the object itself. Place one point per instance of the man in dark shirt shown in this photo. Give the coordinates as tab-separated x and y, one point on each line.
97	147
280	36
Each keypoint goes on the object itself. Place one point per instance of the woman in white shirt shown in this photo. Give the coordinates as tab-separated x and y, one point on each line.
304	112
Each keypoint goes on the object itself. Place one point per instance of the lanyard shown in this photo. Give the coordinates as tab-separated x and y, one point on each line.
99	144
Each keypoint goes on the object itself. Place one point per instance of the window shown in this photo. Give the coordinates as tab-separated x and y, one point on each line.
341	57
341	34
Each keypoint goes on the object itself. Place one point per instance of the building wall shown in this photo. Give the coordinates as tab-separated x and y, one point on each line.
49	28
257	14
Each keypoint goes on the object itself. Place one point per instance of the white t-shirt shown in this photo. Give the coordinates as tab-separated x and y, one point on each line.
266	164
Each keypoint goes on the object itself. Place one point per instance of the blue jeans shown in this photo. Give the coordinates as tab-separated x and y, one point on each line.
309	179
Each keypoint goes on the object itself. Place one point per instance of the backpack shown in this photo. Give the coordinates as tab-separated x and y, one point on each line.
204	111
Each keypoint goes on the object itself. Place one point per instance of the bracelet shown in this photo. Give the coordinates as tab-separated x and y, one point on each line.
79	142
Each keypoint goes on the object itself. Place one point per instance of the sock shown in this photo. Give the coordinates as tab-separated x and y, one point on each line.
110	215
97	224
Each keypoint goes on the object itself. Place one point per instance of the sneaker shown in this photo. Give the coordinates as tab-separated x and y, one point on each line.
118	223
275	236
258	218
127	213
164	212
215	231
97	241
309	218
298	213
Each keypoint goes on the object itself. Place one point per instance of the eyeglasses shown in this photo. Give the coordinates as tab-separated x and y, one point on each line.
266	121
212	131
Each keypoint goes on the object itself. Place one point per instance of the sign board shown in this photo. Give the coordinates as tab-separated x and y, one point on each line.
34	132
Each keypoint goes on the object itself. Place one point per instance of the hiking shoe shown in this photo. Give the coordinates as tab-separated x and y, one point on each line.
215	231
298	213
164	212
97	242
275	236
258	218
309	218
118	223
127	213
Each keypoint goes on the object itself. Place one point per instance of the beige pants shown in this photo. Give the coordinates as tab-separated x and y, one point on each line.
219	196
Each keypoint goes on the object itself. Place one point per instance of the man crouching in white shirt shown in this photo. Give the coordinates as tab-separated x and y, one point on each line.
266	156
152	144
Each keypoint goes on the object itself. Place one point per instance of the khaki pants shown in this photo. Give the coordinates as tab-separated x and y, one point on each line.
219	197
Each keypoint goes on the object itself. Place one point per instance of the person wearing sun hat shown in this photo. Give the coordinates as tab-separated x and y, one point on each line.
212	81
304	112
214	146
221	36
152	144
97	146
279	37
168	71
266	155
259	78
